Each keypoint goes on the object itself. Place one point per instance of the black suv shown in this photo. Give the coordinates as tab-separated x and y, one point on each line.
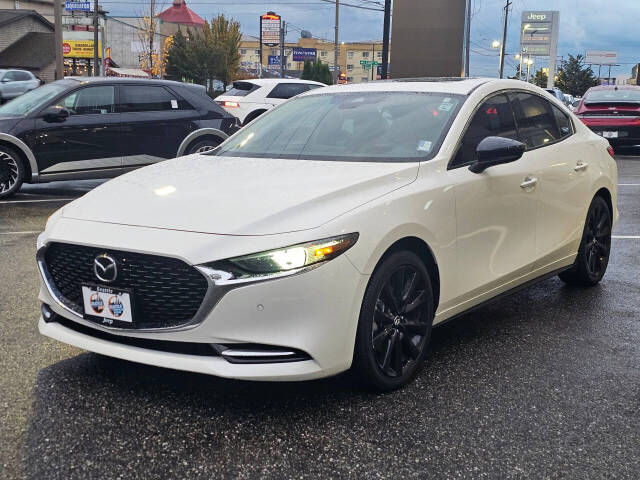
101	127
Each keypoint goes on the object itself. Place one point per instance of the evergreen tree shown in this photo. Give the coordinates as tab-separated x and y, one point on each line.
574	77
317	71
540	78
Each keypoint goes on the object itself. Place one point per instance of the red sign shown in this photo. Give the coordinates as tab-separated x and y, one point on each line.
66	48
270	29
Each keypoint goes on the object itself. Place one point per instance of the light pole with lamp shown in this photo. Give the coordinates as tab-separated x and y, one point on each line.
529	62
524	29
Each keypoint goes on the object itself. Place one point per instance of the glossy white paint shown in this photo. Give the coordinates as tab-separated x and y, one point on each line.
485	231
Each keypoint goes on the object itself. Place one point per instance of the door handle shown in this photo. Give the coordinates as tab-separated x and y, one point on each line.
580	166
529	182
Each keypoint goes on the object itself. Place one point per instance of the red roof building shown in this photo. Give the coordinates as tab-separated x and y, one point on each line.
180	14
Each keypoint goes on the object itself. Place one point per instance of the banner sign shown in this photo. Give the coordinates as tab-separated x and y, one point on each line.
274	60
304	54
80	49
270	29
77	6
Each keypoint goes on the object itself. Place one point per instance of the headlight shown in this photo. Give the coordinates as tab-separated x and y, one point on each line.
280	262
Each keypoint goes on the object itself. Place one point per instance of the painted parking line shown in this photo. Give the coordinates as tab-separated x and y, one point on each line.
28	232
39	200
633	237
629	184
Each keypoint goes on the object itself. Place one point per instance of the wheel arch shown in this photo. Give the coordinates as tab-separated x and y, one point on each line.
202	132
26	155
251	116
606	195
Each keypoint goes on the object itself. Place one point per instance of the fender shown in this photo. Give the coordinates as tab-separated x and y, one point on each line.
15	141
199	133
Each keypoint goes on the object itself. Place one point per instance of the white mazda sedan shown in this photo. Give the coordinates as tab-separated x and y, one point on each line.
333	232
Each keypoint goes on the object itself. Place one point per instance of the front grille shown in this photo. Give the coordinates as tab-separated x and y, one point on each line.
166	291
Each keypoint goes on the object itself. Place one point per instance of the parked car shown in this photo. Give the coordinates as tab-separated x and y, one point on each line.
14	83
613	112
248	99
557	93
102	127
333	232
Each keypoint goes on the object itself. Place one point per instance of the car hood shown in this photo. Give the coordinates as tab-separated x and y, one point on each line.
239	196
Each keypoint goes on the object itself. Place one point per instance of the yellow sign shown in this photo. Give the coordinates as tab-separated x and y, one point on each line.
80	49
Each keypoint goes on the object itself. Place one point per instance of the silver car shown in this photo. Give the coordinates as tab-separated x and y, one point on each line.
14	83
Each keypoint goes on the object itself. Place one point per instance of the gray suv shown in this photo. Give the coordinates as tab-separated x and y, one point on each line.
14	83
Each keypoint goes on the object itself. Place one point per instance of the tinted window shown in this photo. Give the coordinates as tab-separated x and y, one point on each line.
21	76
144	98
382	126
536	121
287	90
90	101
241	89
11	76
564	124
494	118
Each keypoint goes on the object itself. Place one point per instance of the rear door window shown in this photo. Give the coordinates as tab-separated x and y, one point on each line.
535	118
145	98
287	90
23	76
564	123
242	89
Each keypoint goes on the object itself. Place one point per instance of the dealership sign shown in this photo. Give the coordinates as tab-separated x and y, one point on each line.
304	54
270	29
274	60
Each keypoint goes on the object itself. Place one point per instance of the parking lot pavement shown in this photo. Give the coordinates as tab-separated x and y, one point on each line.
542	384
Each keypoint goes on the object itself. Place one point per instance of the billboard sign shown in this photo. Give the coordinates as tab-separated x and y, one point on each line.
304	54
274	60
601	57
80	49
270	29
77	6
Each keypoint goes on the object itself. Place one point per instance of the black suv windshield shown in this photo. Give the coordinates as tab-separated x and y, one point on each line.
33	100
356	126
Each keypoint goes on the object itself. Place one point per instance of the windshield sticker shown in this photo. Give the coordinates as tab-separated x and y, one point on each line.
424	146
446	105
174	104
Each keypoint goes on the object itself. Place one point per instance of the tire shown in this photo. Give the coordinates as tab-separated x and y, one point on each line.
204	145
395	323
252	116
12	172
595	246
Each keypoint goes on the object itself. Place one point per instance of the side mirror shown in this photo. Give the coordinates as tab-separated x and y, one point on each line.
55	114
496	151
6	80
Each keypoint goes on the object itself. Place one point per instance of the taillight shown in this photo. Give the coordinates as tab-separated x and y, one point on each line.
610	150
230	104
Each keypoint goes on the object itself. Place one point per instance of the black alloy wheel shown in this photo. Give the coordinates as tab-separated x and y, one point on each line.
11	172
395	322
595	247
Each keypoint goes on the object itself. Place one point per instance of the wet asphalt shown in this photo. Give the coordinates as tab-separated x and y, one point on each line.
542	384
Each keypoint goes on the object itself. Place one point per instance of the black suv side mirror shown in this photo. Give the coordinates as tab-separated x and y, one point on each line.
55	114
496	151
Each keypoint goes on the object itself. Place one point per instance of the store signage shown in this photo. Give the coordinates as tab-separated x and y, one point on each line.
274	60
270	29
80	49
304	54
77	6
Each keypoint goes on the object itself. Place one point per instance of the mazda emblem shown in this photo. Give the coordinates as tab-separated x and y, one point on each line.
105	268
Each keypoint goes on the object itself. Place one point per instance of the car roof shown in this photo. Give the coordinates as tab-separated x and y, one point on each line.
144	81
614	87
453	85
273	81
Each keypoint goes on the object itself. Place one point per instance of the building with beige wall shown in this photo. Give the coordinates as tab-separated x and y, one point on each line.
349	57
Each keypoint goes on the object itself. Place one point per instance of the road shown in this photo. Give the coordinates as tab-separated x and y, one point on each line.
542	384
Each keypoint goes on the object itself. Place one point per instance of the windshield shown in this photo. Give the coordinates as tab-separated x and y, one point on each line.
30	101
626	95
356	126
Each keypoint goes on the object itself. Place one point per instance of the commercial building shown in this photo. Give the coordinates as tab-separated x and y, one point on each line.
350	55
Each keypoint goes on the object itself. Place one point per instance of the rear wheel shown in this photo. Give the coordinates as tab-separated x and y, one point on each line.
204	145
12	172
595	246
252	116
395	323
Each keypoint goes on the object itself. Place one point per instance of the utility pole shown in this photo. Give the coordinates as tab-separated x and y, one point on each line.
57	13
336	46
282	60
504	38
373	59
385	39
96	23
467	35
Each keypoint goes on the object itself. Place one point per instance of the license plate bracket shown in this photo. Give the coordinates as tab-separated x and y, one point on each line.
612	134
108	306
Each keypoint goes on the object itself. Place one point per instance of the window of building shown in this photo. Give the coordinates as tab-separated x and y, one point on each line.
536	121
257	52
349	66
379	54
365	54
349	79
323	53
350	54
364	79
90	101
243	51
139	98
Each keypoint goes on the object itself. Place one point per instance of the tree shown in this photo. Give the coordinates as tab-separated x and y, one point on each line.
540	78
179	58
574	77
226	38
317	71
147	31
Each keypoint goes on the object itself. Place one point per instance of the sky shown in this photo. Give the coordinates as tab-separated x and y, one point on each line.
584	24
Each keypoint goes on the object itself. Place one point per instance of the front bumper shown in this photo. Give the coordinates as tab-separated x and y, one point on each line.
315	312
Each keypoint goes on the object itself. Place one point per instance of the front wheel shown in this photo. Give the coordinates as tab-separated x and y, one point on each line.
11	172
595	247
395	323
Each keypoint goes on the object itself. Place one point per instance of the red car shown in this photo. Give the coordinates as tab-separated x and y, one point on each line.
612	111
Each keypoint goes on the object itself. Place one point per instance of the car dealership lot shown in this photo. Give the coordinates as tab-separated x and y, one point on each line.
542	384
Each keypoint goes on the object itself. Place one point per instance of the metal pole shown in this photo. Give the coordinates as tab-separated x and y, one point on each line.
528	67
520	70
57	12
504	38
373	58
104	25
467	35
282	61
96	66
335	44
385	39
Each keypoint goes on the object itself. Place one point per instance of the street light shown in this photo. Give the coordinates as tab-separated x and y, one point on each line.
524	29
529	62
